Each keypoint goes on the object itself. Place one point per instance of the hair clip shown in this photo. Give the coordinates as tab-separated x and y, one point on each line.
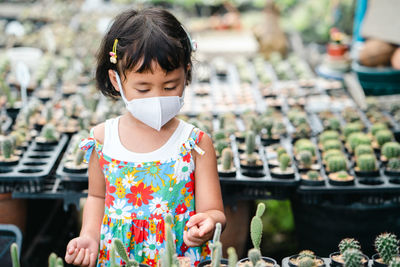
193	43
113	53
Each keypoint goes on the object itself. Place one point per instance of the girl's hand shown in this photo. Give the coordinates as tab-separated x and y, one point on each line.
82	251
201	228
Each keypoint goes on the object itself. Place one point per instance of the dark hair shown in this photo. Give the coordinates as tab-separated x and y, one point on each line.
144	36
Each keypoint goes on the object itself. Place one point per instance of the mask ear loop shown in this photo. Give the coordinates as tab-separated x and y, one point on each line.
193	43
120	87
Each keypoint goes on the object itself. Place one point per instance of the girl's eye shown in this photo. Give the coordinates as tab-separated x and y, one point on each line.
170	88
143	90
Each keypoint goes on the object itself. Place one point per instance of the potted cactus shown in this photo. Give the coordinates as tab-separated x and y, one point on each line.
353	258
338	259
284	171
77	165
387	246
382	137
328	135
305	258
376	127
273	154
393	167
312	178
48	135
254	255
272	129
305	154
367	166
250	159
363	150
226	168
395	262
336	163
356	139
390	150
216	251
331	144
350	128
341	178
329	153
7	152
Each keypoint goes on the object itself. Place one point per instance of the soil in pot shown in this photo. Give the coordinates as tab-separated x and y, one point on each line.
305	180
226	173
268	262
251	162
341	178
337	259
71	167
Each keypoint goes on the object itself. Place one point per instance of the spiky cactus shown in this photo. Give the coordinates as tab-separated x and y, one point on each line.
52	260
391	150
232	257
306	254
394	164
312	175
7	148
387	245
280	151
219	135
49	133
334	124
284	161
227	159
305	158
256	226
352	258
363	150
250	142
331	144
59	262
306	147
328	135
169	259
356	139
254	256
306	262
376	127
330	153
221	145
352	128
120	249
384	136
348	243
395	262
337	163
216	247
268	124
367	162
15	255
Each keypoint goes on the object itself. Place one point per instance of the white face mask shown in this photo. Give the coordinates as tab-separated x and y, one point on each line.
152	111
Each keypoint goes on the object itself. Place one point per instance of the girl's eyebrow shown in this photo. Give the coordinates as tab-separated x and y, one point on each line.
172	80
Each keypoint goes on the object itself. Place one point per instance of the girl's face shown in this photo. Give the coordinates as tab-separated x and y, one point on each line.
151	84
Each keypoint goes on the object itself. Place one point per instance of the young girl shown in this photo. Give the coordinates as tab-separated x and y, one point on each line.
147	163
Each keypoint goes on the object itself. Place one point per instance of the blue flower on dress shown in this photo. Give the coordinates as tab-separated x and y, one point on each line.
157	175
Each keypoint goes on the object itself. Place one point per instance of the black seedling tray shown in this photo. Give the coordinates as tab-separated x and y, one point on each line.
36	164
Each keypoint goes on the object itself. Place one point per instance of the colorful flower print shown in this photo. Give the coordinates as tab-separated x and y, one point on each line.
140	194
158	206
120	210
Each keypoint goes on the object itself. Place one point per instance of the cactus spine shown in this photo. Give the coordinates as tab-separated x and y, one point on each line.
387	245
352	258
256	226
232	257
366	163
227	159
120	249
15	255
395	262
391	150
394	164
284	161
348	243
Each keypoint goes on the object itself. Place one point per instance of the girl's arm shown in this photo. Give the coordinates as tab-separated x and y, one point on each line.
208	197
83	250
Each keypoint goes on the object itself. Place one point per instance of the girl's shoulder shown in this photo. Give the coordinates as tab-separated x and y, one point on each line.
97	132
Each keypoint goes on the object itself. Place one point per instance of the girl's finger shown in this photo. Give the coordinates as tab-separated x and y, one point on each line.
194	231
92	260
195	219
86	259
205	228
72	245
79	258
69	257
194	239
188	242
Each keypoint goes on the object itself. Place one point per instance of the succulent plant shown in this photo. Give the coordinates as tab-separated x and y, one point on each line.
384	136
280	151
394	164
391	150
367	162
254	256
49	133
330	153
363	150
334	124
268	124
332	144
337	163
342	175
350	128
376	127
305	145
312	175
7	148
356	139
387	245
352	258
305	158
306	262
220	145
250	142
216	247
227	159
284	161
15	255
328	135
306	254
120	249
347	243
256	226
219	135
79	157
232	257
395	262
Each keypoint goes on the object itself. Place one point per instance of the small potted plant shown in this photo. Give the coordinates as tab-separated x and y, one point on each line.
268	135
387	246
353	258
284	171
227	168
329	135
7	155
393	167
216	251
341	178
250	159
312	178
331	144
350	128
337	258
336	163
356	139
376	127
329	153
273	154
305	258
48	135
367	166
382	137
390	150
76	165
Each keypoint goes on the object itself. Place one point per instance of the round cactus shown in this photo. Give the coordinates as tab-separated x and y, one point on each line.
331	144
312	175
256	226
250	142
334	124
305	158
352	258
219	135
330	153
306	262
337	163
227	159
49	133
328	135
376	127
268	124
387	245
280	151
306	254
347	243
284	161
356	139
342	175
367	162
352	128
394	164
395	262
391	150
363	150
7	148
220	145
384	136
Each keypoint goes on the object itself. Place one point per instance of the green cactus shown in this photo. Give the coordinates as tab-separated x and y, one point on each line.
169	258
306	254
328	135
332	144
352	258
395	262
216	247
337	163
394	164
79	157
367	162
330	153
312	175
306	262
7	148
256	226
227	159
352	128
342	175
384	136
305	158
219	135
391	150
49	133
60	262
232	257
306	146
376	127
363	150
254	255
221	145
280	151
284	161
120	249
268	124
347	243
334	124
356	139
52	260
250	142
387	245
15	255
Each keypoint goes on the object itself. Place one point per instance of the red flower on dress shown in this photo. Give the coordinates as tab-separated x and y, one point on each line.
184	248
139	230
109	190
186	158
151	262
155	217
190	185
192	213
160	231
140	195
181	209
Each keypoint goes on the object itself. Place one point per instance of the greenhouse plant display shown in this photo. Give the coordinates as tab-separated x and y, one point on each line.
341	178
48	136
284	171
250	159
367	166
338	259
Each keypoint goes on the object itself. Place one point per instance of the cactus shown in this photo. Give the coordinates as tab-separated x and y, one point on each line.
79	157
306	146
7	148
120	249
352	128
348	243
256	226
232	257
284	161
15	255
395	262
305	158
306	254
221	145
366	162
268	124
254	256
216	247
337	163
219	135
334	124
363	150
332	144
391	150
52	260
59	262
328	135
280	151
306	262
352	258
387	245
250	142
384	136
394	164
169	258
342	175
356	139
49	133
376	127
330	153
227	158
312	175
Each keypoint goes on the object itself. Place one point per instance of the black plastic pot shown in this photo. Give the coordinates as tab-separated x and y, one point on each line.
269	141
393	173
338	264
72	170
367	174
295	256
312	182
341	183
375	263
252	167
253	174
227	174
282	175
266	259
206	262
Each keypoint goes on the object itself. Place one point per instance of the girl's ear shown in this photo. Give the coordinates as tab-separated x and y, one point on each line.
113	79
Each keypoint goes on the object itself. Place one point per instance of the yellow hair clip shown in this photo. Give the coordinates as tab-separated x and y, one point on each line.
113	53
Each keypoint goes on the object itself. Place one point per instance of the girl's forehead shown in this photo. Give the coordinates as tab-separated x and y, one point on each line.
156	70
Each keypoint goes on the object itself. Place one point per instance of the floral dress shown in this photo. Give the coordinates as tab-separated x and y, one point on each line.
140	194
